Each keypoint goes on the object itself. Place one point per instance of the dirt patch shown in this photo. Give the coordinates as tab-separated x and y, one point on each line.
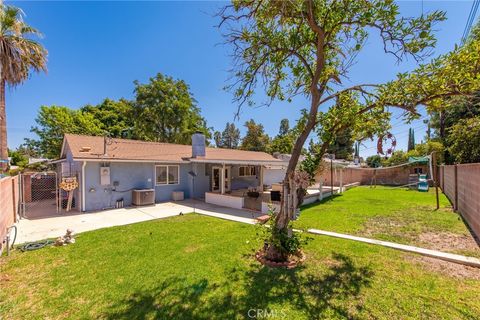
445	241
450	269
383	225
293	261
192	248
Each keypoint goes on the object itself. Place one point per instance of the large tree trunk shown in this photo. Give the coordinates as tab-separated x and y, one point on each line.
289	191
3	129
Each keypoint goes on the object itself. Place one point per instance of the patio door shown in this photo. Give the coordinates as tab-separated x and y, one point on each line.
217	179
216	175
228	179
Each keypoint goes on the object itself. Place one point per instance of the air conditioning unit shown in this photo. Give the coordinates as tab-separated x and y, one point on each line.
142	197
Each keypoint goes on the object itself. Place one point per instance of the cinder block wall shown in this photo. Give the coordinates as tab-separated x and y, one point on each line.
463	191
391	176
9	195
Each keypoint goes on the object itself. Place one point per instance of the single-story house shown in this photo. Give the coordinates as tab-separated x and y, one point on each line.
110	170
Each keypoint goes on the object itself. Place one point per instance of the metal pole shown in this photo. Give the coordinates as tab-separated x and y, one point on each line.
435	177
331	175
193	191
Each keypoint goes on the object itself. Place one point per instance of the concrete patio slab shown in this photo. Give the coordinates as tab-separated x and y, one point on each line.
38	229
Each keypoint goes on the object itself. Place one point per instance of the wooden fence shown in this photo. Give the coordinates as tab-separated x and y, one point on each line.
9	201
461	185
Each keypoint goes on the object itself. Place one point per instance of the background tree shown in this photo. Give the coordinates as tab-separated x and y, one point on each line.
165	111
19	54
284	127
411	139
307	47
115	117
17	158
357	150
464	140
374	161
398	157
459	108
281	144
54	121
255	139
112	118
284	140
342	144
229	138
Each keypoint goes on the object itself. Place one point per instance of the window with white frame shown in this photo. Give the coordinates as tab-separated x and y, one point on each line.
167	175
247	171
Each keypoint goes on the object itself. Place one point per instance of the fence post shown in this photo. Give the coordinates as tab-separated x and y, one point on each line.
455	180
443	178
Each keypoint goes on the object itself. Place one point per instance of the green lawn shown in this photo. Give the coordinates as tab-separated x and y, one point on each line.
393	214
196	267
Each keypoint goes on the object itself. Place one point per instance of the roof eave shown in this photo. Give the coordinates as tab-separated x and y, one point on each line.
250	162
128	160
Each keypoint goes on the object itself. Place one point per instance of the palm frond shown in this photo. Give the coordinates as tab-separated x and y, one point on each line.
19	52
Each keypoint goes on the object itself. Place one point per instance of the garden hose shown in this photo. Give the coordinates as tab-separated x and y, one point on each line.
9	242
36	245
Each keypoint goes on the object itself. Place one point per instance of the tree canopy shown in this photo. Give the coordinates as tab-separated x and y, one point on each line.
165	111
284	140
464	140
54	121
115	117
411	139
228	138
255	139
20	53
287	48
342	145
162	110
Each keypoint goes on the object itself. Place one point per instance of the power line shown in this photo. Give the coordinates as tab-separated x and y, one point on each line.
470	20
398	134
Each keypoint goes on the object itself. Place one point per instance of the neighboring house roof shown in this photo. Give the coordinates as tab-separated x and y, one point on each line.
92	148
36	160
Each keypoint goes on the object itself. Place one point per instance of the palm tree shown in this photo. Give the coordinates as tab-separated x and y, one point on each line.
19	54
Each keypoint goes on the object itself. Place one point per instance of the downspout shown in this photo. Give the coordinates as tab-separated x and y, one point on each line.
84	164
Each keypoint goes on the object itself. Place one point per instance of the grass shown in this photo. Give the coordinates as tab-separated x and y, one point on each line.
197	267
398	215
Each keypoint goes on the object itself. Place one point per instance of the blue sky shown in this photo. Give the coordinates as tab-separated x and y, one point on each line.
97	49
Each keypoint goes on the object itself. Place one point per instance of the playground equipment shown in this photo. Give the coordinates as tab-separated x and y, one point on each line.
422	183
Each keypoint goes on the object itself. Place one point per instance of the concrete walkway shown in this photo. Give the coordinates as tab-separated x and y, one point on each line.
38	229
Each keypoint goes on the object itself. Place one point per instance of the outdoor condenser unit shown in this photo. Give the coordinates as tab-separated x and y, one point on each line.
142	197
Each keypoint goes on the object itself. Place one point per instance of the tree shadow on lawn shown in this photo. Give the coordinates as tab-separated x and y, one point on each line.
335	293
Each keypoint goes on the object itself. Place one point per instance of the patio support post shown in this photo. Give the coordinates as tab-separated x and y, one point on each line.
320	187
260	181
222	179
83	187
341	181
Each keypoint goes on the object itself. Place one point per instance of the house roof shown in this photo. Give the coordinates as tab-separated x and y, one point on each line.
92	148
